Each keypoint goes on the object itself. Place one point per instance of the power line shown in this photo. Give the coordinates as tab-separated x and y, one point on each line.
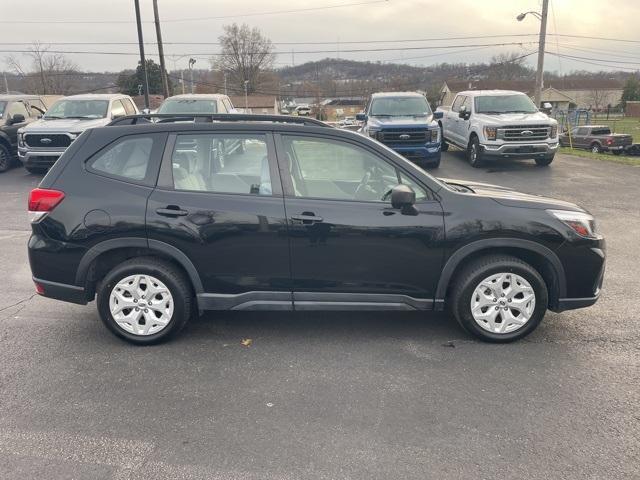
353	50
199	19
618	67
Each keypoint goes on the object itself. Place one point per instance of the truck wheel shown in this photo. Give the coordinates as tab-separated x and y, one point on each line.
474	153
617	152
544	161
596	148
499	298
144	300
444	146
5	158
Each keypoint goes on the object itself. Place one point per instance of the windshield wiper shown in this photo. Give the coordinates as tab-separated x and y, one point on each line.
51	117
82	117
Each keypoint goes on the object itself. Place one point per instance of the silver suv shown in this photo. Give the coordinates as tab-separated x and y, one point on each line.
42	142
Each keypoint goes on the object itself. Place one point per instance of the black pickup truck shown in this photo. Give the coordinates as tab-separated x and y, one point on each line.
597	138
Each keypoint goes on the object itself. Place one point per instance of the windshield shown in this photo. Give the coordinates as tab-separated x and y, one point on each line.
189	106
2	107
505	104
400	107
78	109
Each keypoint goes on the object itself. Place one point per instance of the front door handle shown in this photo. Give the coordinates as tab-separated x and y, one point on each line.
306	218
172	211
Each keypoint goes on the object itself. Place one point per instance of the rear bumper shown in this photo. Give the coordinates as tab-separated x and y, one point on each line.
574	303
61	291
519	150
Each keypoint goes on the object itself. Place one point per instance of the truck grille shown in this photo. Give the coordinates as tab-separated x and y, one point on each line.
524	133
56	140
419	136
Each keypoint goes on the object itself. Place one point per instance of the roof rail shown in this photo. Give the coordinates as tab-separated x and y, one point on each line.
214	117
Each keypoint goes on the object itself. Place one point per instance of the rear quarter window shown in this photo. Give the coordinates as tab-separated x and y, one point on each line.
132	158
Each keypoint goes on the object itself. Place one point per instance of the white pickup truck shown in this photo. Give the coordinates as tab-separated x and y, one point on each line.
498	124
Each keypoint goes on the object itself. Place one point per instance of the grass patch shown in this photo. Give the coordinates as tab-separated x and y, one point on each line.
607	157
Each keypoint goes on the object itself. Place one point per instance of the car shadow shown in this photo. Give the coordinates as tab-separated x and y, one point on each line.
500	164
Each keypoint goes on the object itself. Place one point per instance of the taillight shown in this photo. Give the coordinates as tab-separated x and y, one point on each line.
42	201
609	141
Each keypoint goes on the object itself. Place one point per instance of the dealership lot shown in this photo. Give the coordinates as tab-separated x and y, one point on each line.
331	395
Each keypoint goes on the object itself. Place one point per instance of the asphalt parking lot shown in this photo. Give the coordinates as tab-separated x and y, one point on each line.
331	395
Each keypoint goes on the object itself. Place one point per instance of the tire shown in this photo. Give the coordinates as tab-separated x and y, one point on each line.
444	146
483	269
474	153
36	170
544	161
174	296
596	148
6	159
616	152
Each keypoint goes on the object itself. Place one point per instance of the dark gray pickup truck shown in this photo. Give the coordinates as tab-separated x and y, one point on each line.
597	138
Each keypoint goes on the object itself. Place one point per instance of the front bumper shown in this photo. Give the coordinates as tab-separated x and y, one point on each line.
420	154
39	158
584	266
519	150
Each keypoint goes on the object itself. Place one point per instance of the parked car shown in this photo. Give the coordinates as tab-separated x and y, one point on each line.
498	124
597	138
197	103
404	122
303	110
16	111
158	220
42	142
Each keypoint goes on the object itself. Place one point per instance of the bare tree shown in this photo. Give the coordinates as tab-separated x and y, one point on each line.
597	97
507	66
246	56
49	73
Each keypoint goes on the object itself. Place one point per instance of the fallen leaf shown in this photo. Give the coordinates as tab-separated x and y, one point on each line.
246	342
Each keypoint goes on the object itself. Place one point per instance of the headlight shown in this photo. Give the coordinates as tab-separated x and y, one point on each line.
434	135
554	131
373	133
20	139
74	135
490	133
580	222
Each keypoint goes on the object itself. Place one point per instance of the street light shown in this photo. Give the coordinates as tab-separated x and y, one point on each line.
192	61
543	33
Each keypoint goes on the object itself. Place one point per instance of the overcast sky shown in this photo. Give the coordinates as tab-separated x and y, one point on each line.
356	20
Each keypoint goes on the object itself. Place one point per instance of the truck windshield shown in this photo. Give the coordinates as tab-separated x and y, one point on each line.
78	109
505	104
189	105
400	107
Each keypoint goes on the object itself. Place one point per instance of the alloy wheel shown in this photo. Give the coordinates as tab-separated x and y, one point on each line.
503	303
141	304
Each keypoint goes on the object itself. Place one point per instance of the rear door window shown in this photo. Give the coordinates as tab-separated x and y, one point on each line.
117	109
134	158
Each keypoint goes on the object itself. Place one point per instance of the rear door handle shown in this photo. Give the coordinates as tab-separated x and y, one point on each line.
172	211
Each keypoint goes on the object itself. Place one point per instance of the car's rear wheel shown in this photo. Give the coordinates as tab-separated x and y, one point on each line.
499	298
617	152
596	148
145	300
5	158
544	161
474	152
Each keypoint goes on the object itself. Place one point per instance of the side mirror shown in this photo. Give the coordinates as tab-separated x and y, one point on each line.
361	117
146	111
547	106
462	112
16	118
438	115
402	197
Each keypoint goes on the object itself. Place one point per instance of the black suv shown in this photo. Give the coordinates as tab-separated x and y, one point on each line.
166	218
16	111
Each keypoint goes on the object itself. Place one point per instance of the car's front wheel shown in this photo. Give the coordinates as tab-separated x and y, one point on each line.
596	148
5	158
499	298
474	152
544	161
145	300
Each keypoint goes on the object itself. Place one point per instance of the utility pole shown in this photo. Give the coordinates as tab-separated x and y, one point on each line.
246	96
225	82
6	84
182	80
142	60
192	62
540	70
163	70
